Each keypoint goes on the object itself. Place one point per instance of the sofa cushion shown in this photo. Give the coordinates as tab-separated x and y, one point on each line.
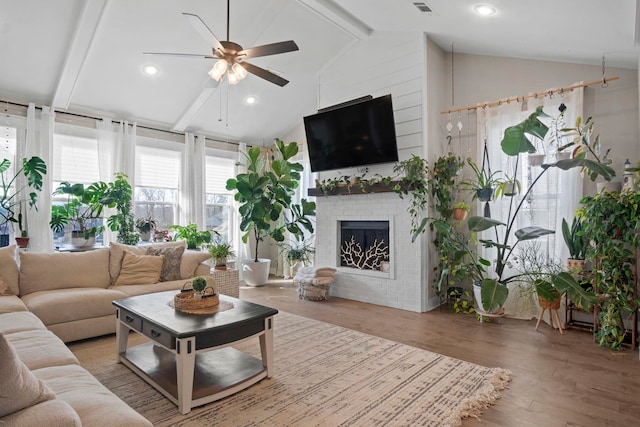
140	269
20	321
50	413
68	305
172	260
19	387
117	250
39	348
48	271
93	402
190	262
8	271
11	303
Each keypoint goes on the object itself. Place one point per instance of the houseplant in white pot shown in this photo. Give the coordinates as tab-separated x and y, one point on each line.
265	194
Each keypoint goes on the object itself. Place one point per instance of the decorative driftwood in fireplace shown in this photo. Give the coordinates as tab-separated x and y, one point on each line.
364	245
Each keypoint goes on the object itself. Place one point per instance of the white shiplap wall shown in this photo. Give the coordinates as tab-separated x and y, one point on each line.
382	64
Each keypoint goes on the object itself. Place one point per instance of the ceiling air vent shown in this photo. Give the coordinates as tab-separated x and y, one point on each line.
423	7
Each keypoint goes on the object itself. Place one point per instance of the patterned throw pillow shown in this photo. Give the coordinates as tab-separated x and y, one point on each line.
172	259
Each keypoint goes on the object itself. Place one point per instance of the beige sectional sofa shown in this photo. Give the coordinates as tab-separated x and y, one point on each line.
49	299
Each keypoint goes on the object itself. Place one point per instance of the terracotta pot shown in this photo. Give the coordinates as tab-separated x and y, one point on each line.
459	214
22	242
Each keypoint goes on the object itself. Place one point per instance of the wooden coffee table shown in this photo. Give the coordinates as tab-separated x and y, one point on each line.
189	358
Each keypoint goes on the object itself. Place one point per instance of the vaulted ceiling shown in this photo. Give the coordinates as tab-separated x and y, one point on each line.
87	56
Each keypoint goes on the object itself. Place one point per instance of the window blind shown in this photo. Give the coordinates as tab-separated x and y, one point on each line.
75	159
217	171
157	167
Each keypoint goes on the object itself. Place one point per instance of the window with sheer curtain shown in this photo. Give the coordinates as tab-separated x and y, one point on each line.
8	151
157	182
554	196
217	197
74	160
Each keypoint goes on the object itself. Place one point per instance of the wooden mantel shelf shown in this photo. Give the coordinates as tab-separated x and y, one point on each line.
353	189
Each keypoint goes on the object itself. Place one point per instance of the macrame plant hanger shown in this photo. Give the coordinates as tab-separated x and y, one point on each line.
486	171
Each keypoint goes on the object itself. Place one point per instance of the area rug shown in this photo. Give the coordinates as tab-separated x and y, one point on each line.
325	375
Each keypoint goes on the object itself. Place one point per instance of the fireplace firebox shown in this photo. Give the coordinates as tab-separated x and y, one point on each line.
364	245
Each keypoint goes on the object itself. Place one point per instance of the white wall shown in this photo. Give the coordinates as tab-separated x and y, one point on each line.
614	109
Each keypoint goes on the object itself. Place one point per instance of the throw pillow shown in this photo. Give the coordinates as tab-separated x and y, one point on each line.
117	250
19	388
190	261
140	269
9	269
4	288
172	258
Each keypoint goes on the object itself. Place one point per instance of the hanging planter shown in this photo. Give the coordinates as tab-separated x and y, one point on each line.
536	159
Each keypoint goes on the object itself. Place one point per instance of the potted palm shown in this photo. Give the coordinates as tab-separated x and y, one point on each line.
220	252
265	194
13	193
296	253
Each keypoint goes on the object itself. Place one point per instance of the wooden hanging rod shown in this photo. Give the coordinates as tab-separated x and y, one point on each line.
535	95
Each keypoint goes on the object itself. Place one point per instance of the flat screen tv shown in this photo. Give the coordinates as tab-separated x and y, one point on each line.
357	134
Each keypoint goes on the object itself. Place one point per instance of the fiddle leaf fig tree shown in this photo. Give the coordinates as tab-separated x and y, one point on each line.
265	194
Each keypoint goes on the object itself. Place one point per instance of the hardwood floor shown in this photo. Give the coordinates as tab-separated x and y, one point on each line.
559	380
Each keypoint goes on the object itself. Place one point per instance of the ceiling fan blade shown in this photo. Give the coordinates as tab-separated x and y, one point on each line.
204	31
183	55
268	49
264	74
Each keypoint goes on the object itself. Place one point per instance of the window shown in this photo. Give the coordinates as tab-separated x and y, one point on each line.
157	183
74	160
8	151
218	198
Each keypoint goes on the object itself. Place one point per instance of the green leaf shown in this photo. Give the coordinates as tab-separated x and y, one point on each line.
493	294
480	223
532	232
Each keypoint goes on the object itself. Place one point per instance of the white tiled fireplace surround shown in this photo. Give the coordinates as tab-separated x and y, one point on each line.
405	285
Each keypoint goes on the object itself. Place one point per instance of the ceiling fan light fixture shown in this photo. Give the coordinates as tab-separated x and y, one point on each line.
218	69
233	77
239	71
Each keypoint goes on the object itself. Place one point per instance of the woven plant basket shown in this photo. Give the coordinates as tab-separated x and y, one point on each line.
550	305
186	301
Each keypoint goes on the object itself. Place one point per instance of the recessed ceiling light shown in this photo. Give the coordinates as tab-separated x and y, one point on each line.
251	100
484	9
150	69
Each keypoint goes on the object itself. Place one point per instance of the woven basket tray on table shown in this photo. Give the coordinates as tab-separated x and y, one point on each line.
186	301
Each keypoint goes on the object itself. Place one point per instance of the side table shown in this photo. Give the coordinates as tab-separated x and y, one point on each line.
227	281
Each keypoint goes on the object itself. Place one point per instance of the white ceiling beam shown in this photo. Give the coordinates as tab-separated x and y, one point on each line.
187	117
80	44
636	35
335	13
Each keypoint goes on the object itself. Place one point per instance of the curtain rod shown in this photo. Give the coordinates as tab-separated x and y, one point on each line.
84	116
535	95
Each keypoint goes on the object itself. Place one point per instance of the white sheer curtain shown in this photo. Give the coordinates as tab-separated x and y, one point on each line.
555	196
243	250
39	143
107	145
192	185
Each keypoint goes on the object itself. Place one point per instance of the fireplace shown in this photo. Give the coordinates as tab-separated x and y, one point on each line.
364	245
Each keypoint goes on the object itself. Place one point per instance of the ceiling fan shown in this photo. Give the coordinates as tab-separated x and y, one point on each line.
231	56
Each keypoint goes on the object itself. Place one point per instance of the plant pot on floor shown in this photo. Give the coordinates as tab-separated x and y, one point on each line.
256	273
477	293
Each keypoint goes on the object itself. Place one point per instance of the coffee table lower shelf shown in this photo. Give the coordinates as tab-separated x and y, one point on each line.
218	373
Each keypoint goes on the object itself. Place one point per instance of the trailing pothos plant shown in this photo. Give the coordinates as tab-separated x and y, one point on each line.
517	141
414	174
611	222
